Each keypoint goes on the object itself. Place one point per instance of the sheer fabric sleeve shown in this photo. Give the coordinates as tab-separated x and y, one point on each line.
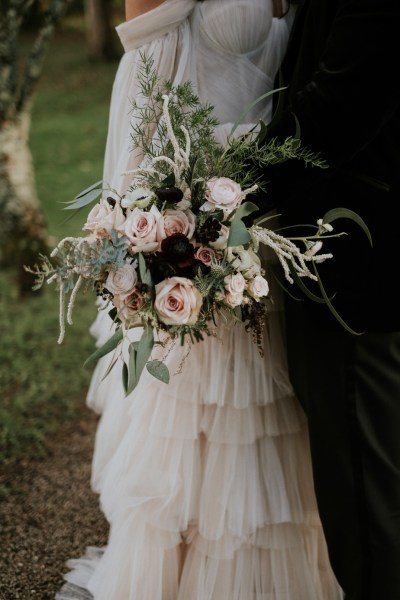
164	34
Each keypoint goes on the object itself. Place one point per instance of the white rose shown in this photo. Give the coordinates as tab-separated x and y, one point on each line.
235	284
233	300
103	218
224	193
258	287
222	241
176	221
178	301
140	228
122	280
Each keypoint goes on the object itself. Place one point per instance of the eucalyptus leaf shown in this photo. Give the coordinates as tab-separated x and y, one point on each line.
346	213
159	370
83	200
331	307
132	371
298	280
125	377
145	347
110	344
89	189
110	367
238	234
241	118
145	274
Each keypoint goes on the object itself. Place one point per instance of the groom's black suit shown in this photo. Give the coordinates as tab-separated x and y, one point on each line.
343	77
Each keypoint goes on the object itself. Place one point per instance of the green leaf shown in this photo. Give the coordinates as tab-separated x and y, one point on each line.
159	370
132	374
331	307
238	234
145	347
145	274
125	377
298	280
346	213
84	200
245	209
110	344
139	353
89	189
241	118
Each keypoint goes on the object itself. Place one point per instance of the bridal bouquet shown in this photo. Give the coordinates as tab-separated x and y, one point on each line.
173	254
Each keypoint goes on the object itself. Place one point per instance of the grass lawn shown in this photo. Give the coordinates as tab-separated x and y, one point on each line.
43	383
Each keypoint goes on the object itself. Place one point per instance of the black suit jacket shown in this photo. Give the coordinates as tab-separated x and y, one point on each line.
343	83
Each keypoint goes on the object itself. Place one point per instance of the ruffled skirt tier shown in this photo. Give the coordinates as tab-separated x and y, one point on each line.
206	481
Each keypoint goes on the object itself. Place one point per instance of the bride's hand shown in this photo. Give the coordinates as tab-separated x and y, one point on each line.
134	8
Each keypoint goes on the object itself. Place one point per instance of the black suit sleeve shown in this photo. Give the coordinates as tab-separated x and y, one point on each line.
352	94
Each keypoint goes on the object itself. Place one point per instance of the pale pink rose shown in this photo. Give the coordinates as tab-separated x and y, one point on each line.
114	219
235	284
222	241
97	219
206	255
178	301
121	280
140	228
233	300
176	221
258	287
128	306
224	193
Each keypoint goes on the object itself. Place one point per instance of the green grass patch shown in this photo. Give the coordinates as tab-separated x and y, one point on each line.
42	383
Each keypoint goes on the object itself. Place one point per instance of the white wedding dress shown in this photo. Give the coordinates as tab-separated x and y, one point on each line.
206	482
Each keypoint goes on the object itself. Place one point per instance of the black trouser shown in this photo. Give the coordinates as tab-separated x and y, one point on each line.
349	387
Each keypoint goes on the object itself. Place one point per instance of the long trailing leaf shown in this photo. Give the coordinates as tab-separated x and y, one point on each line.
241	118
125	376
331	307
346	213
145	347
89	189
110	344
159	370
132	376
298	280
139	354
82	201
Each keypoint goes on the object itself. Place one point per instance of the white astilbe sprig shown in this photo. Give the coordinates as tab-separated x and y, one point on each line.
287	252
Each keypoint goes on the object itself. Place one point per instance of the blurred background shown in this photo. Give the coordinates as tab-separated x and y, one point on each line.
58	59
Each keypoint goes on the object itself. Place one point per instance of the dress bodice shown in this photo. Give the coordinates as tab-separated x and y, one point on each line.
237	27
229	49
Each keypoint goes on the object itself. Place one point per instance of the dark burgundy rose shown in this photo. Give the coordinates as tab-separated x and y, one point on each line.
177	249
169	194
209	231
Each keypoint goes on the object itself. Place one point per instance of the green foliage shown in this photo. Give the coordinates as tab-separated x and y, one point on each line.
42	383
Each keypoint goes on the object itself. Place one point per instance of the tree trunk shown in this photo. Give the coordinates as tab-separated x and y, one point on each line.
100	35
23	232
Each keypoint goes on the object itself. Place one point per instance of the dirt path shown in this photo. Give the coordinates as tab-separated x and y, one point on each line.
50	516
